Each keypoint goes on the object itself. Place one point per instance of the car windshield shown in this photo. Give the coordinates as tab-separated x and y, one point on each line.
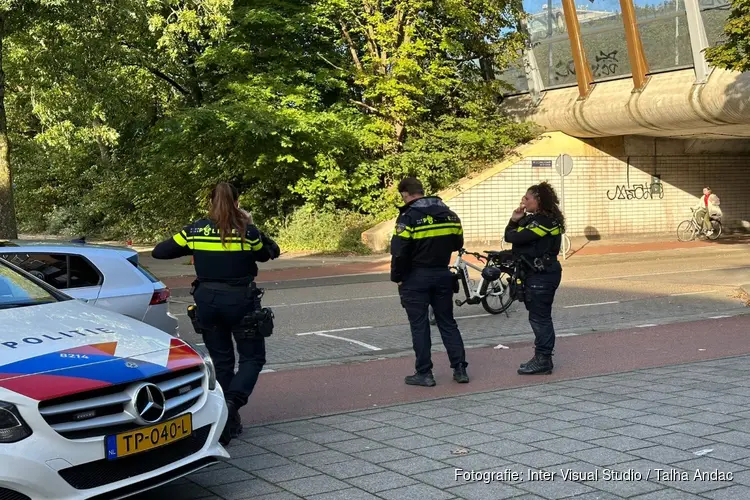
17	290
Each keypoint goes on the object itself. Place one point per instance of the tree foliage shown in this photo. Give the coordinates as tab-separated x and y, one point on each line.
125	113
734	51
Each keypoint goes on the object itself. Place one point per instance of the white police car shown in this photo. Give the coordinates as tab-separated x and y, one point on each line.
94	404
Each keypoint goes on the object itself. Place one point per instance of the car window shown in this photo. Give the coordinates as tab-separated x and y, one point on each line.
134	260
17	290
59	270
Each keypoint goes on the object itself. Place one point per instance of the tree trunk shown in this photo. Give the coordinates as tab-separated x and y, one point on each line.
8	228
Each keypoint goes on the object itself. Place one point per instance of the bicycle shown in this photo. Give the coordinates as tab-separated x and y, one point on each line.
481	291
565	245
689	229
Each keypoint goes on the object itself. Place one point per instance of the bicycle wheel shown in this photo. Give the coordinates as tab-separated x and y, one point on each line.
497	292
686	231
717	230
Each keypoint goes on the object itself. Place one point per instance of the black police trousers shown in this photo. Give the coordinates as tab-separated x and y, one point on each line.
218	311
421	288
540	291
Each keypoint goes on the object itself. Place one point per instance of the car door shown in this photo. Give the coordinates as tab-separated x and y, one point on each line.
71	274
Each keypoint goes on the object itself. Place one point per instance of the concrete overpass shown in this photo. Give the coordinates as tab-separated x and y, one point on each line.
639	71
628	94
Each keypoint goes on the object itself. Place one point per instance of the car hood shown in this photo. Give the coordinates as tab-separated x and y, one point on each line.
58	349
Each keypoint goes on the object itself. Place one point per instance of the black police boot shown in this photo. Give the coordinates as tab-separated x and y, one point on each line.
523	365
541	363
235	421
423	379
460	375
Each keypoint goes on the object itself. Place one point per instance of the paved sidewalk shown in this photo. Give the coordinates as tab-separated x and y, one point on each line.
670	433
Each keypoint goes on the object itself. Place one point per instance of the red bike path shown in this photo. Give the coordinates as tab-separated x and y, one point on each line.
310	392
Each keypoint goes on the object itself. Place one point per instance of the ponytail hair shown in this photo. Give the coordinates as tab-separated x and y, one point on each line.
225	214
549	204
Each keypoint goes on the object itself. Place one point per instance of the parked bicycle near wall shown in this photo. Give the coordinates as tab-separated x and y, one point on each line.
492	293
689	229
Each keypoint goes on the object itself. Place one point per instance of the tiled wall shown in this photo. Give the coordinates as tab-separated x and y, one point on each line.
611	196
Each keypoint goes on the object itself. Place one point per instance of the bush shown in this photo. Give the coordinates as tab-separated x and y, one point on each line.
340	232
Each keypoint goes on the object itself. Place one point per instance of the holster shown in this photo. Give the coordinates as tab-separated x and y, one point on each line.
192	311
258	322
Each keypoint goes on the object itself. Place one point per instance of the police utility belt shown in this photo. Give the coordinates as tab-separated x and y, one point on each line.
523	265
257	322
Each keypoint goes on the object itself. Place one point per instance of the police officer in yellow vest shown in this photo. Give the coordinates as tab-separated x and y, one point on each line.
427	233
225	248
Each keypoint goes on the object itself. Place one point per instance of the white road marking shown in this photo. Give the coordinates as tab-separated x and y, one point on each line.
333	301
474	316
337	330
720	316
567	334
593	304
649	325
368	346
692	293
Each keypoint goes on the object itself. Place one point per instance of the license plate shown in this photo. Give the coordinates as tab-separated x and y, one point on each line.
148	438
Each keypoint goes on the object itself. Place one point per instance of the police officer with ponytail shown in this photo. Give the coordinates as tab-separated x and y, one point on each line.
535	231
226	247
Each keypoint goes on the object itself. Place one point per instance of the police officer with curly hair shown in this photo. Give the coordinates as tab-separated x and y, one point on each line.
427	233
226	247
535	231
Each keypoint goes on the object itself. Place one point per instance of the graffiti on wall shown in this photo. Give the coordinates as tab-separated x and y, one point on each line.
637	192
605	64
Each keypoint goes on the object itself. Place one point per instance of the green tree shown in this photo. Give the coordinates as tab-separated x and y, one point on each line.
734	52
409	59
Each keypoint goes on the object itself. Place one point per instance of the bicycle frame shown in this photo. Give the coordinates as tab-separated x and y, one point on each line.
461	266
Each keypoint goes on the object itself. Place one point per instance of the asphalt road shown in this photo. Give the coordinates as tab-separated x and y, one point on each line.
334	320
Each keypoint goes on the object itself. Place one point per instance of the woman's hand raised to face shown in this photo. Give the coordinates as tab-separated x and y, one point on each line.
518	213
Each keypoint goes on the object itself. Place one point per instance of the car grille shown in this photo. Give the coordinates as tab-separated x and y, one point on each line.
6	494
104	411
101	472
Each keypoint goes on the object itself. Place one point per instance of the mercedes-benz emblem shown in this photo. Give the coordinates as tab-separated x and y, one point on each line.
149	403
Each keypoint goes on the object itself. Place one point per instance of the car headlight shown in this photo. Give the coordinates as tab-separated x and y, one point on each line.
210	368
12	426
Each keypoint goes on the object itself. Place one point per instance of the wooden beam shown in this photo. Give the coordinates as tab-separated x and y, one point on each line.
583	70
638	63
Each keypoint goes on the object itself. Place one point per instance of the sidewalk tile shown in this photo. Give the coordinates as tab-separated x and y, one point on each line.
538	459
322	458
353	468
529	436
245	489
412	442
485	410
464	419
584	433
348	494
656	420
476	461
495	428
517	417
564	445
257	462
313	485
681	441
663	454
707	463
730	453
556	489
548	424
416	492
385	433
440	430
382	455
221	476
625	488
732	493
469	439
732	437
298	447
503	448
413	465
285	473
622	443
355	445
331	436
299	429
602	456
695	429
381	481
641	431
482	491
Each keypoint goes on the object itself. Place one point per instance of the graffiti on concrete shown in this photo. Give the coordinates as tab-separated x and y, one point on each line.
605	64
637	192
